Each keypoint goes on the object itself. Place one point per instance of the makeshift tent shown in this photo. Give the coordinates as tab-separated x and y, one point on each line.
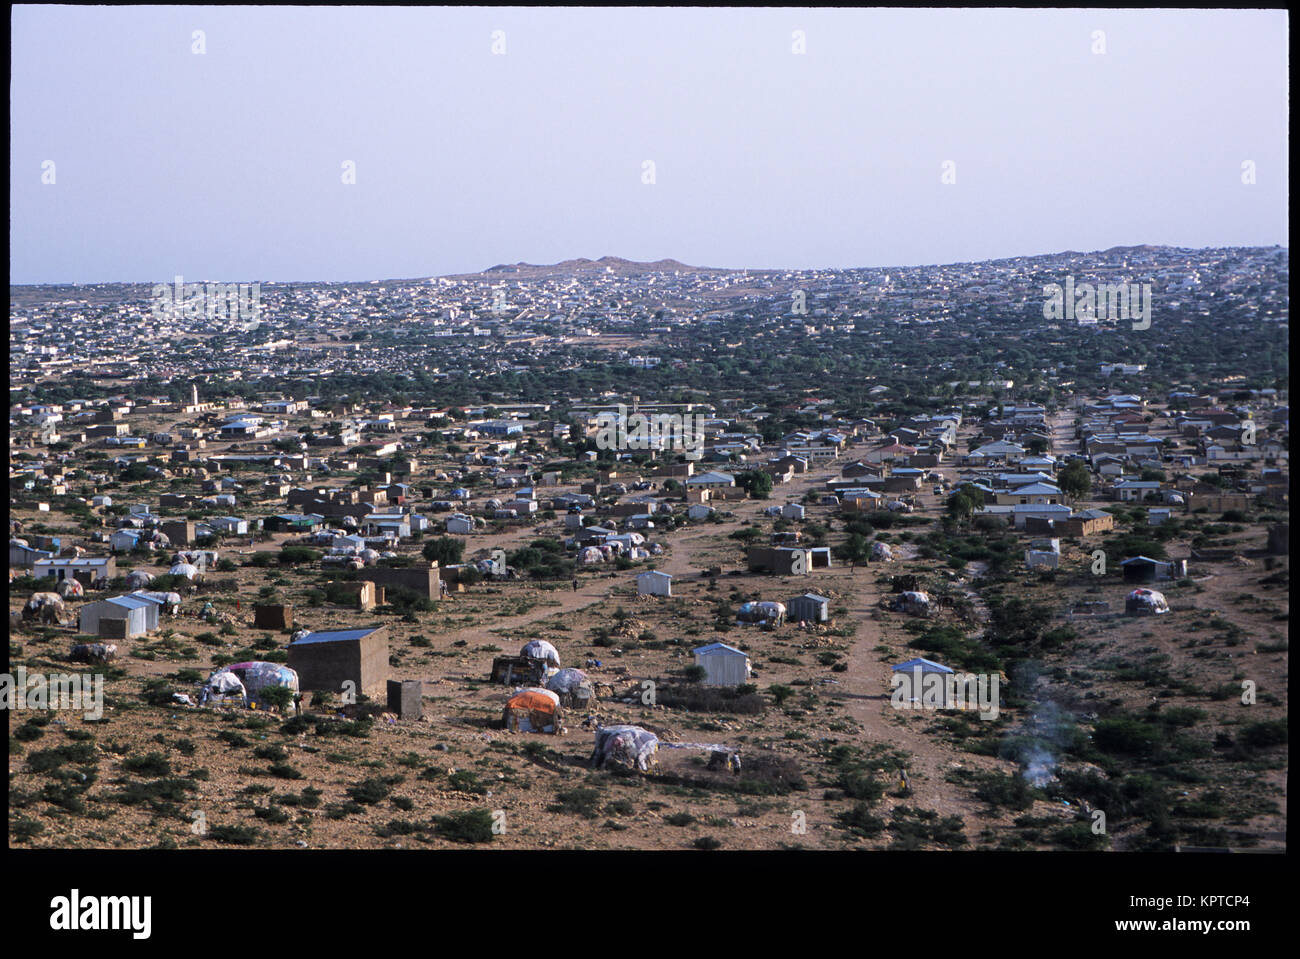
1145	602
572	686
223	687
138	579
763	613
70	588
533	710
541	649
628	746
257	676
720	756
590	554
188	570
912	601
882	553
93	653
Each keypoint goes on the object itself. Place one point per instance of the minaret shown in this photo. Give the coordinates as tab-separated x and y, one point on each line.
194	394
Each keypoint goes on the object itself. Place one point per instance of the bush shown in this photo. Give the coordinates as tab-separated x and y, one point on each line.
150	764
370	791
466	781
1263	734
579	802
235	835
295	555
1126	735
780	693
473	825
859	821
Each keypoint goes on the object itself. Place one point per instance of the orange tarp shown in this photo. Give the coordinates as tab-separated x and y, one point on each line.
533	702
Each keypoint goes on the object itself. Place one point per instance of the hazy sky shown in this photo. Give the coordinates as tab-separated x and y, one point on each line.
228	165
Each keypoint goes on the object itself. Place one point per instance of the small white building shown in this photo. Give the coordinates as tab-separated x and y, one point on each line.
460	523
130	616
230	524
723	665
654	583
700	511
792	511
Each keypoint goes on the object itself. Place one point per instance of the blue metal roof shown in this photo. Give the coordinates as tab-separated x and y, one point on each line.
335	636
925	665
131	602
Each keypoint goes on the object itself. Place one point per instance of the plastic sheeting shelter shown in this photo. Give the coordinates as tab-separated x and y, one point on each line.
533	710
223	688
257	676
572	686
1145	602
541	649
629	746
138	579
912	601
764	613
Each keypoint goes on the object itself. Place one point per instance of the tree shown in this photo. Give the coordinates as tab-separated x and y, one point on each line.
755	482
444	550
1075	480
856	549
961	506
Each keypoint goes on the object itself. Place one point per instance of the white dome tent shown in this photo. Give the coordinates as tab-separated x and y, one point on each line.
188	570
541	649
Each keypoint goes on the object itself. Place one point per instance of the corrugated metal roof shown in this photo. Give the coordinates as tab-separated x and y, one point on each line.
131	602
926	666
718	648
335	636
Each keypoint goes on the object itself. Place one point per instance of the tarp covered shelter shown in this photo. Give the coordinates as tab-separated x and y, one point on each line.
628	746
572	686
1145	602
764	613
223	687
533	710
257	676
138	579
541	649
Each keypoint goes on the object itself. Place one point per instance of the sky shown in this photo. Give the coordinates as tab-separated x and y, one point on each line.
896	137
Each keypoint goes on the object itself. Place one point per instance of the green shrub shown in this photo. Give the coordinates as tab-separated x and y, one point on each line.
470	826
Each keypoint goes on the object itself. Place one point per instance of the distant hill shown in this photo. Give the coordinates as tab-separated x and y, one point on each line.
583	265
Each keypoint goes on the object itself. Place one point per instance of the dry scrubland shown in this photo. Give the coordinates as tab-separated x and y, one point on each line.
1142	716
